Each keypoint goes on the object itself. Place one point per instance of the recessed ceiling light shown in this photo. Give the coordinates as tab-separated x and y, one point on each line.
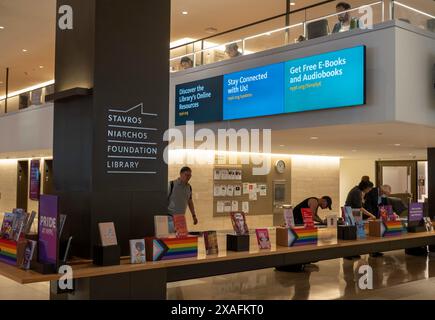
1	27
292	3
24	50
41	67
211	30
314	138
184	12
397	144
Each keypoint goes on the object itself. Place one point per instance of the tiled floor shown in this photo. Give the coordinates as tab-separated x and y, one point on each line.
395	276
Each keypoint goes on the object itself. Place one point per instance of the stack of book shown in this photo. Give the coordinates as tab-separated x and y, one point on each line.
14	248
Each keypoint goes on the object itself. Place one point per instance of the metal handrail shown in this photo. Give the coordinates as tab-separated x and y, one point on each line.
254	23
194	53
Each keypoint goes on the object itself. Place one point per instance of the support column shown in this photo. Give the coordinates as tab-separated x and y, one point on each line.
110	113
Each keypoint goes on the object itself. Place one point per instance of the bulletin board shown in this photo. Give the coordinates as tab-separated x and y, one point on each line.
236	183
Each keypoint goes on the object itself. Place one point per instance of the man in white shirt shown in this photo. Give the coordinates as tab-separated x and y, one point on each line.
345	22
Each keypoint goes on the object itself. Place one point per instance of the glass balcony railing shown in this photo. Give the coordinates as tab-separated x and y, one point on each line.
418	13
25	98
317	20
305	23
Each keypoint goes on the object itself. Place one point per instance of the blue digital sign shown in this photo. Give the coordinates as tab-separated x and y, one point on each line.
254	92
330	80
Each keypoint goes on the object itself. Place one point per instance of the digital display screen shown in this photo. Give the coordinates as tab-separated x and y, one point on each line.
254	92
199	101
330	80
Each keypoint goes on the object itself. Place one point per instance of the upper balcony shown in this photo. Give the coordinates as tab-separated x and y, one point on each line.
314	21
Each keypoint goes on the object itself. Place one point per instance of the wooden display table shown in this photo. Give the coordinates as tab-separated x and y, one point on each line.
148	280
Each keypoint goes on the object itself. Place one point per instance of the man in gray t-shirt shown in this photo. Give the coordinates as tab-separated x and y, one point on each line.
180	194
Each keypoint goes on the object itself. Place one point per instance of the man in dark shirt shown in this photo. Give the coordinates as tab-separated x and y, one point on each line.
356	195
314	204
376	197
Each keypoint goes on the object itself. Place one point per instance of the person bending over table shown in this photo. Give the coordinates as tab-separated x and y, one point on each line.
314	204
355	197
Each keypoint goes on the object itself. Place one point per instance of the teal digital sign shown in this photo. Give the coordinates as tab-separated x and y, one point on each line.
330	80
253	93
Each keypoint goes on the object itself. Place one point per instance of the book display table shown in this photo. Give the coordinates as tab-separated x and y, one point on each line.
148	280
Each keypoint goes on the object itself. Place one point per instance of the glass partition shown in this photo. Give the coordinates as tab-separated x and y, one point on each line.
420	13
311	22
23	99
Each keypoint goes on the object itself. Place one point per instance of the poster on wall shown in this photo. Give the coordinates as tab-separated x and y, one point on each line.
47	229
35	180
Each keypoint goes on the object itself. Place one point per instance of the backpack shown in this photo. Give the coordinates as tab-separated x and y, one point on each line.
172	188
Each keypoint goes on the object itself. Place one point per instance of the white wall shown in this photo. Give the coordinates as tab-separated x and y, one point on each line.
415	61
8	185
27	130
316	177
351	171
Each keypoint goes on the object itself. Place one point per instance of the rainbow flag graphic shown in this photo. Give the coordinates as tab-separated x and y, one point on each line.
8	251
391	228
302	236
171	248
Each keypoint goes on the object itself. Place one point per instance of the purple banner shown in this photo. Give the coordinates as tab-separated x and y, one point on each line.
35	179
415	212
47	229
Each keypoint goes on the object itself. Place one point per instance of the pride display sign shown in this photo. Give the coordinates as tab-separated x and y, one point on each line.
47	229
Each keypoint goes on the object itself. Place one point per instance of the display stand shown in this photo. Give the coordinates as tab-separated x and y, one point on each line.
290	237
379	228
44	268
171	248
346	232
415	229
107	256
9	251
237	242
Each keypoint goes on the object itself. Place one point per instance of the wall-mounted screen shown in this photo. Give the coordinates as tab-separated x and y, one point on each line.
254	92
329	80
199	101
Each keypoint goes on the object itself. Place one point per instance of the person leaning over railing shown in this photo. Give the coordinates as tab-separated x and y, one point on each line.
232	50
345	21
